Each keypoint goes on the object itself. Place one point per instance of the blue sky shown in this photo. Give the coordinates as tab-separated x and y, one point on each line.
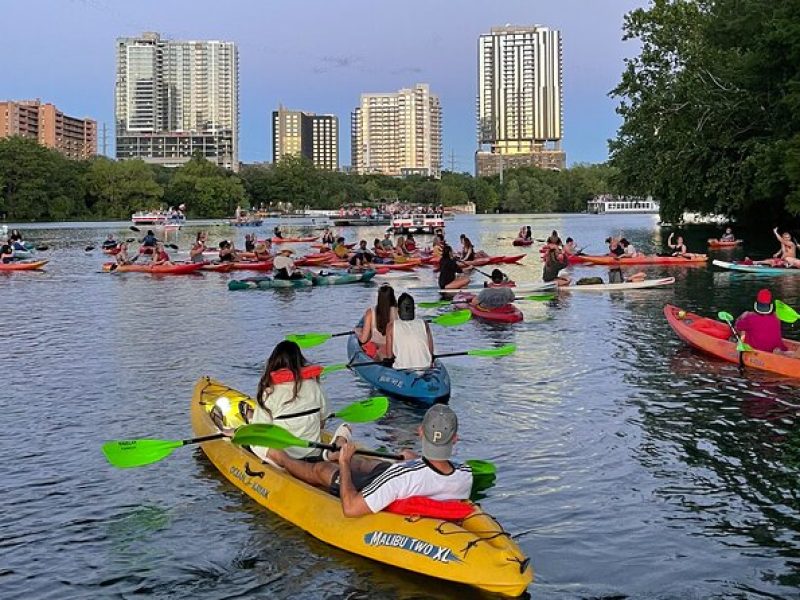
319	56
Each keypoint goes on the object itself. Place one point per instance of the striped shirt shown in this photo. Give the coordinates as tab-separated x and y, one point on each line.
417	478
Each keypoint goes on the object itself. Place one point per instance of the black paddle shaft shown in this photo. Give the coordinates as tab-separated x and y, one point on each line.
333	448
380	362
205	438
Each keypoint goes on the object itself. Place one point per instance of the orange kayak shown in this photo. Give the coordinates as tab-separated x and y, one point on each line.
711	336
171	269
23	266
719	244
286	240
645	260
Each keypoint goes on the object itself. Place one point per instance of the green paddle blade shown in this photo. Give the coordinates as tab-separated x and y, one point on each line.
539	297
136	453
334	368
364	411
309	340
267	436
481	467
725	316
457	317
436	304
494	352
785	312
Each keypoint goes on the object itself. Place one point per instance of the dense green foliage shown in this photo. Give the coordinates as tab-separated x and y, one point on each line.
711	108
40	184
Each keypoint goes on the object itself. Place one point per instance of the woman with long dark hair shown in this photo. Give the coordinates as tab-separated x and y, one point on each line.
372	333
289	395
448	271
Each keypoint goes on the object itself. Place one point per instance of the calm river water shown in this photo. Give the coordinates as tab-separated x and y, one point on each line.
628	465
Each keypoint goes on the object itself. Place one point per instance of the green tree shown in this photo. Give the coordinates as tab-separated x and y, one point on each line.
710	108
117	189
206	189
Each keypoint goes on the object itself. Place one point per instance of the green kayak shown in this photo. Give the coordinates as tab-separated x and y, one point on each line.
341	278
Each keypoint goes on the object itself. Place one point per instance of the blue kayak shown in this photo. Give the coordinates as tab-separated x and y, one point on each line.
424	386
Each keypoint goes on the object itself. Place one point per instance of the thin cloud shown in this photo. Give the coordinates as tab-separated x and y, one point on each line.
336	63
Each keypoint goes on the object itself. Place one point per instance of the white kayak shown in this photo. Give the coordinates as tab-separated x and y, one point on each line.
394	275
759	269
523	288
619	287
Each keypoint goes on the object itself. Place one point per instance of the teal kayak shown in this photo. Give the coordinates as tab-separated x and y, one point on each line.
757	269
266	283
342	277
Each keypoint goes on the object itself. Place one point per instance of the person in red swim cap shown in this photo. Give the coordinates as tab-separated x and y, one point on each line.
761	328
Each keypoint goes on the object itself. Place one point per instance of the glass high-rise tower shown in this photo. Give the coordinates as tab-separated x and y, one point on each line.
177	98
519	98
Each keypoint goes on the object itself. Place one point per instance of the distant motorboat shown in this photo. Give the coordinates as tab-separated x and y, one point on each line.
158	217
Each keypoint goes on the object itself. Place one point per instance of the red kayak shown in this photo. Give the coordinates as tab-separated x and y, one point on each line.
504	314
287	240
253	265
721	244
512	260
23	266
521	242
573	259
168	269
314	259
223	267
677	261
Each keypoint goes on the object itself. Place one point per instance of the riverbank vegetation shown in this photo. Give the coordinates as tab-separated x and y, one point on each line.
711	108
38	184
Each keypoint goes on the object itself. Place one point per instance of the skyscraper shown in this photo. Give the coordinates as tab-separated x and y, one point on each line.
398	133
519	98
176	98
298	133
73	137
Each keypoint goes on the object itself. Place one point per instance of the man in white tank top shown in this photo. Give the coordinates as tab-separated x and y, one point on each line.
409	339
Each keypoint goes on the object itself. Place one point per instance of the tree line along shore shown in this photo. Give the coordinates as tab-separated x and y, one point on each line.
39	184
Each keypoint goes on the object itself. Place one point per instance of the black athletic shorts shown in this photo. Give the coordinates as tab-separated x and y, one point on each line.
360	480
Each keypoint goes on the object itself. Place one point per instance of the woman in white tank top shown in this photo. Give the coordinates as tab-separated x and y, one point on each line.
409	338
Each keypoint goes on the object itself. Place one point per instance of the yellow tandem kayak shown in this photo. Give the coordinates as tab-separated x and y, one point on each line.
475	551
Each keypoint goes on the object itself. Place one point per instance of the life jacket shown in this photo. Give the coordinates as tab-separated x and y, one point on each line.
422	506
286	376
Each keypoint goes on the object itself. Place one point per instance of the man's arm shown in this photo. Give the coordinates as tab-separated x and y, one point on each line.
353	504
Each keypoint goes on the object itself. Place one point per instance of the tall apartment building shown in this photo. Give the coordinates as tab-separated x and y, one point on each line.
73	137
519	99
398	133
176	98
298	133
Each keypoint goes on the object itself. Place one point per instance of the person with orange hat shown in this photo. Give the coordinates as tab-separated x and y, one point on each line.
761	329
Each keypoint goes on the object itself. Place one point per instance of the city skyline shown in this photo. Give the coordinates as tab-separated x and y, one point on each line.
344	51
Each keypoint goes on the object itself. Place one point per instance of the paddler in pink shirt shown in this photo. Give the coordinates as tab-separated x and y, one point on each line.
762	329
